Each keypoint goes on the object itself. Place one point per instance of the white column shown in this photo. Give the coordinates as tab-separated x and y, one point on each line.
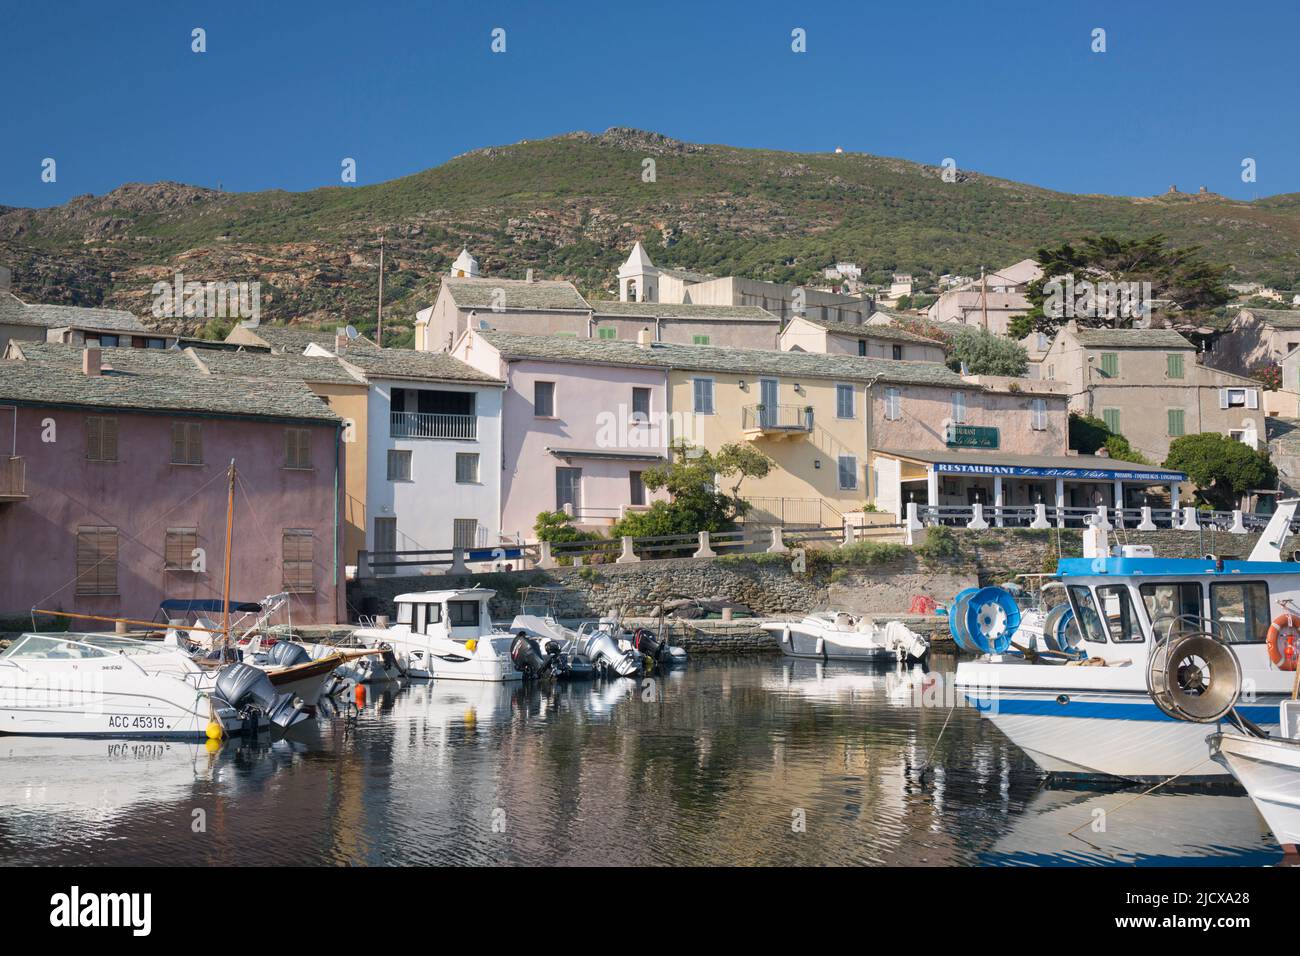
932	487
1238	525
977	522
997	500
544	559
1040	517
1147	524
1119	503
1060	502
705	551
778	543
458	562
1173	504
628	556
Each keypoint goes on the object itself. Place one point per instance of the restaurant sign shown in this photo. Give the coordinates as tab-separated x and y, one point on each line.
1074	474
971	436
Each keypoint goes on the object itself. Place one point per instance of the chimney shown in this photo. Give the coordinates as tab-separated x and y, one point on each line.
91	363
340	341
644	338
528	276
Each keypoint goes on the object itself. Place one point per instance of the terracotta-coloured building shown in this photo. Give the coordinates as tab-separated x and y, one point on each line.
113	490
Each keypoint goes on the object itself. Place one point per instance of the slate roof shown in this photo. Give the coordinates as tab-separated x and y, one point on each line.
706	358
542	295
46	383
14	311
863	330
413	365
1278	318
687	310
285	338
261	365
1132	339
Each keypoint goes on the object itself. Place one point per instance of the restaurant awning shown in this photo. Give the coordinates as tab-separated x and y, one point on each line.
1067	467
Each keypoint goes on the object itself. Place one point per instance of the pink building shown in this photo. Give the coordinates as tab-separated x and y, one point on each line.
113	491
577	428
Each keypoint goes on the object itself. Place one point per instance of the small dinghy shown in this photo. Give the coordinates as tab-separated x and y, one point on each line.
840	636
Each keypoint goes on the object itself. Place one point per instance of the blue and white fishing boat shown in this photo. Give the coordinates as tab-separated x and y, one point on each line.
1089	711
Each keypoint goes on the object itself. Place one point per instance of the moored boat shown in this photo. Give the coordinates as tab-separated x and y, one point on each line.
841	636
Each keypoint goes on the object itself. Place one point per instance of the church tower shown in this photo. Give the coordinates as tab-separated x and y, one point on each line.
465	266
638	279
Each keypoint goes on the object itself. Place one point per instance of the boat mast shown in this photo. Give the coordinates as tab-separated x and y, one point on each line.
225	587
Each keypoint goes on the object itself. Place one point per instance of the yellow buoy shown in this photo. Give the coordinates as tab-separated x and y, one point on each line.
216	731
212	746
471	644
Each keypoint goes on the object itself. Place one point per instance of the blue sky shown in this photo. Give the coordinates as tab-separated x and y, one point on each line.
111	91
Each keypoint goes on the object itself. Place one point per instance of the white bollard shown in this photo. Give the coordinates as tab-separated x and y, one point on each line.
977	522
1189	519
1146	524
1238	525
1040	517
705	551
913	519
458	562
850	532
544	559
778	543
1100	521
628	556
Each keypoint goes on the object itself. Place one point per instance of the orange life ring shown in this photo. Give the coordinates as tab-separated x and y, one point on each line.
1284	642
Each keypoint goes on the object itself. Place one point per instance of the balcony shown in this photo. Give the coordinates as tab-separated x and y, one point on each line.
13	479
776	421
432	425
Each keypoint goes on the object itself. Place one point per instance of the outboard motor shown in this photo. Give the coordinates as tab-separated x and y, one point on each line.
530	660
242	686
286	654
601	649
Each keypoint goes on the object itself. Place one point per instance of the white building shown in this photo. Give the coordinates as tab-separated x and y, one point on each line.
433	451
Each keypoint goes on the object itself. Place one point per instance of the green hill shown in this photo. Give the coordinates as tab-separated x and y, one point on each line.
571	206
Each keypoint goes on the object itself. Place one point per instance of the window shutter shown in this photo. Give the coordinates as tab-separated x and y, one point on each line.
297	556
178	551
1252	398
178	442
1223	398
96	560
108	438
94	445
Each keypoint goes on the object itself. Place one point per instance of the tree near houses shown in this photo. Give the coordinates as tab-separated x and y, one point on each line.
694	477
1222	468
1089	435
983	353
1192	287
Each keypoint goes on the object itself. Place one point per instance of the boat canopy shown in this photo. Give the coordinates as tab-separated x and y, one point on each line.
206	605
436	597
1166	567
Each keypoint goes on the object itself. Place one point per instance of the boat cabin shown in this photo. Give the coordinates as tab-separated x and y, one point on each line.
460	615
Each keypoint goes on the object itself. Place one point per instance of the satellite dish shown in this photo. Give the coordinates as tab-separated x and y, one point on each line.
351	332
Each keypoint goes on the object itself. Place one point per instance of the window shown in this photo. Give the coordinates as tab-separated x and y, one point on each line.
96	560
466	468
1241	611
703	395
959	407
848	472
898	351
568	487
101	439
1238	398
636	488
1051	372
1109	364
187	443
297	555
464	532
700	339
862	346
399	465
1120	616
1170	603
893	404
1086	613
104	341
297	448
1038	414
178	549
1174	365
462	613
607	332
1176	422
1111	417
844	401
640	404
544	399
1042	342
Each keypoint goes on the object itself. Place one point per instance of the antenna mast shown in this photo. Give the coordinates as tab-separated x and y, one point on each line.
379	321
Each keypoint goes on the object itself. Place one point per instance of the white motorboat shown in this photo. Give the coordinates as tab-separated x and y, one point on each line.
444	634
106	685
841	636
1269	770
1095	715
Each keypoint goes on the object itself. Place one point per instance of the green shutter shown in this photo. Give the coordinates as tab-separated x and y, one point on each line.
1174	366
607	332
1109	364
1175	422
700	339
1111	417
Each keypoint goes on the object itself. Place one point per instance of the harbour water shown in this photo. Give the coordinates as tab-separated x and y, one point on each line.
766	762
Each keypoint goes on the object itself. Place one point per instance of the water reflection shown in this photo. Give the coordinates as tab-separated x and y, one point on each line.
733	762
